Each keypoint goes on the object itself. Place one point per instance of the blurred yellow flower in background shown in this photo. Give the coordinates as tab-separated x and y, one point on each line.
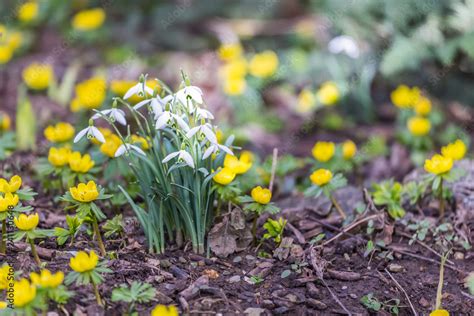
120	87
230	51
323	151
238	166
59	157
61	132
6	54
81	164
224	176
405	97
26	222
84	262
5	122
349	149
261	195
141	141
112	143
455	151
38	76
88	20
28	11
90	94
306	101
419	126
422	106
234	69
321	177
439	312
164	310
438	164
25	293
85	192
46	279
235	86
328	94
4	272
8	201
264	64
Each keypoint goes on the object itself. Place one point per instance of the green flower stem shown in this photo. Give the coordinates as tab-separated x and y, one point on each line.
34	252
441	199
439	292
337	206
98	236
3	243
97	294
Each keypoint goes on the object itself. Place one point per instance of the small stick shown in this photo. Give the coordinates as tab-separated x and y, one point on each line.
404	292
274	165
336	298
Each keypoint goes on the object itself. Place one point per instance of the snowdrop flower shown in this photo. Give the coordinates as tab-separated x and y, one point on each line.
91	132
182	155
140	89
193	92
214	148
206	129
165	117
344	44
204	114
127	148
114	114
157	104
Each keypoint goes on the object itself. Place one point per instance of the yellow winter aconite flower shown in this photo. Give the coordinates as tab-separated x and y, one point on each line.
349	149
438	164
26	222
439	312
88	20
3	305
238	166
5	122
419	126
306	101
8	201
38	76
4	272
224	176
323	151
404	97
59	157
112	143
24	293
90	94
81	164
328	94
28	11
246	156
230	51
321	177
85	192
6	54
10	186
61	132
235	69
46	279
141	141
264	64
261	195
423	106
235	86
455	151
163	310
84	262
14	40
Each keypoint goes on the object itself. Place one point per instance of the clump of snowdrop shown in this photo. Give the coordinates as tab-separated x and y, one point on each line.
176	168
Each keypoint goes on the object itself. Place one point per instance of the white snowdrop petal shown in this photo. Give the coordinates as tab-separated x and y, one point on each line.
133	90
187	158
209	152
170	156
81	134
120	117
140	104
97	134
121	150
192	131
137	149
226	149
209	134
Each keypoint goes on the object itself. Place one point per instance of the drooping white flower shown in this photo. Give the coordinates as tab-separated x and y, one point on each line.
344	44
140	89
157	104
182	155
192	92
204	114
114	114
214	148
127	148
206	129
165	117
91	132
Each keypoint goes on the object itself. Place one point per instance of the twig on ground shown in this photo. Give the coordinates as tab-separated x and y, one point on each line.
404	292
334	296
